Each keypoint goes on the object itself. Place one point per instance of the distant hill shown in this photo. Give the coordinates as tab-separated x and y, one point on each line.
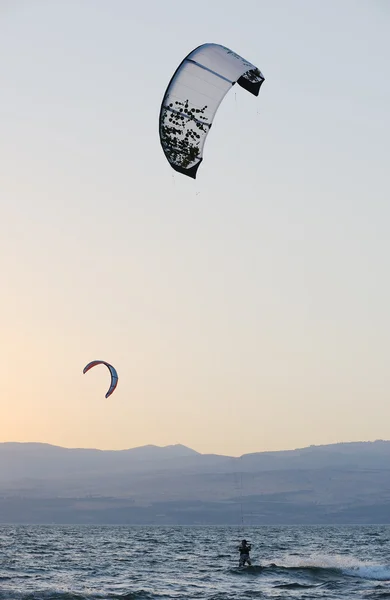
20	460
337	483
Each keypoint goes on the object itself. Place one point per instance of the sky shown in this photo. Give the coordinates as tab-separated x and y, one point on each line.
247	310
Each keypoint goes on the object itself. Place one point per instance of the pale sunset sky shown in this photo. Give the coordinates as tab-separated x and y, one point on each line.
248	310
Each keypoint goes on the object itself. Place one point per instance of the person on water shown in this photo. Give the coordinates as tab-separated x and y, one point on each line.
244	550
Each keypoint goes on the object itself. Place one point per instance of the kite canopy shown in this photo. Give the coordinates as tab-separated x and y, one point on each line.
114	374
192	98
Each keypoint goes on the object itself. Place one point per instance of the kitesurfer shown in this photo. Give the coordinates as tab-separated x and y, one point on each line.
244	549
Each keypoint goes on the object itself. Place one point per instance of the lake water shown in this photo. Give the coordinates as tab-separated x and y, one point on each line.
148	563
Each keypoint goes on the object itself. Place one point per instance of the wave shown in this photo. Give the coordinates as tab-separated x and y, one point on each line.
40	595
324	565
58	595
295	586
347	565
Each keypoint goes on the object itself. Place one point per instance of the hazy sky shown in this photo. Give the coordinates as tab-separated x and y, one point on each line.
247	310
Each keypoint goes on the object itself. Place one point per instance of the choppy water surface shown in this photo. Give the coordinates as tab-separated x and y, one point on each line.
147	563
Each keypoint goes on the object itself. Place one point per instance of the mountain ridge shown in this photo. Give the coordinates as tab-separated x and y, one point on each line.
332	483
311	447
